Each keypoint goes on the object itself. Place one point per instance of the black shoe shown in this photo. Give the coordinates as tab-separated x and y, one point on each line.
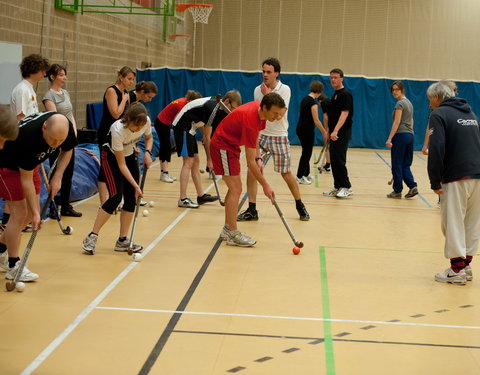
302	211
69	211
248	215
205	198
52	215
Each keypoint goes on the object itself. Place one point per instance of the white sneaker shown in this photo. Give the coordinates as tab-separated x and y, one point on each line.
237	238
449	276
187	203
165	177
330	193
123	246
304	180
26	276
89	244
468	271
344	192
4	260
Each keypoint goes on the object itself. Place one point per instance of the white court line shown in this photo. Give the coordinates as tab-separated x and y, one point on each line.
74	324
378	322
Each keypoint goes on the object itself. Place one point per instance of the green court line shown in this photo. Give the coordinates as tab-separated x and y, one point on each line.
392	250
327	326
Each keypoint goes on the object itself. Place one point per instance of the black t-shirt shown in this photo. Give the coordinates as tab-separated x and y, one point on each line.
342	100
30	148
325	103
305	120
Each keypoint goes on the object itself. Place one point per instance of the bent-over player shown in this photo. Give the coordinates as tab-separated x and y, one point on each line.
241	128
120	170
39	136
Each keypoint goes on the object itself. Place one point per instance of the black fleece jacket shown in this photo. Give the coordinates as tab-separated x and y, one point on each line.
454	145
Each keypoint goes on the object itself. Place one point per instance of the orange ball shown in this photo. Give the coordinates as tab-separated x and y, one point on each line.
296	250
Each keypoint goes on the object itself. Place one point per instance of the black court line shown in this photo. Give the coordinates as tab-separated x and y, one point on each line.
157	349
320	339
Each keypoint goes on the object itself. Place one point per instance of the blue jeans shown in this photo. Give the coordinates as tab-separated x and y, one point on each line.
402	157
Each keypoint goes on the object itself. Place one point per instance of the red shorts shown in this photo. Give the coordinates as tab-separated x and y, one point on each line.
11	187
225	162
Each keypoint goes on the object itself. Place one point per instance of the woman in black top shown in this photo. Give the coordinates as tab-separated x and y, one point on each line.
115	100
306	130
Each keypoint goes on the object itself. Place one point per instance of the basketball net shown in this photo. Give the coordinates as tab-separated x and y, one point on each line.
200	14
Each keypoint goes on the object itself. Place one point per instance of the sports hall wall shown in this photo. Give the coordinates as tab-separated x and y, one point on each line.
373	103
93	46
391	39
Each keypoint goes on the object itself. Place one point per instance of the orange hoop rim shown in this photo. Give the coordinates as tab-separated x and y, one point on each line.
173	36
184	7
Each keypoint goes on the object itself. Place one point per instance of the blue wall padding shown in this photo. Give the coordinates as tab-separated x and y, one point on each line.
372	99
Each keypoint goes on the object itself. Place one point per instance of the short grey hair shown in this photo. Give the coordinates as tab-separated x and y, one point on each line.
440	90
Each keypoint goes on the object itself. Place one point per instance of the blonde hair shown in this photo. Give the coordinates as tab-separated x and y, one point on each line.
123	72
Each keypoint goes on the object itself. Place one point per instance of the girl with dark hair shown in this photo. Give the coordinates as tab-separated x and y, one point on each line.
400	141
119	168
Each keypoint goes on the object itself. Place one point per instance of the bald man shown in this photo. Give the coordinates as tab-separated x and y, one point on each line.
39	136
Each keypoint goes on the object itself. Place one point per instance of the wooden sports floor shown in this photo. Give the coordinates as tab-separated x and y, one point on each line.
360	298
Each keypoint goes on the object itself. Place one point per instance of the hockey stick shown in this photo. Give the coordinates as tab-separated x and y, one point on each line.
10	285
137	208
292	236
214	177
323	153
46	179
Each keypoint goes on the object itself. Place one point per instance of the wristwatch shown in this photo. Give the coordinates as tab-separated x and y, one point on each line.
150	152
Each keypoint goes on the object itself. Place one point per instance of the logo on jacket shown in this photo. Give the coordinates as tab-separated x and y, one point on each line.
469	122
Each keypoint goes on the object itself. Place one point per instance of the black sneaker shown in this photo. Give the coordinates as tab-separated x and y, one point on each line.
302	211
69	211
248	215
205	198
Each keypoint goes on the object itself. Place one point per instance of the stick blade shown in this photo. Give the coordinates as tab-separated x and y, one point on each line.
10	285
299	244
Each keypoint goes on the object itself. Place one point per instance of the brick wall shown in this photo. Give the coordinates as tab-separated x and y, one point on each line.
92	45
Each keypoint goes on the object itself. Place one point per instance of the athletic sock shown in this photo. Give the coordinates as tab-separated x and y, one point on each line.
457	264
93	233
252	206
12	261
3	248
467	261
122	239
5	218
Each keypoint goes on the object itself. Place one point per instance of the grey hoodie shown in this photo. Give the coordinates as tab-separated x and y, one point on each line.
454	145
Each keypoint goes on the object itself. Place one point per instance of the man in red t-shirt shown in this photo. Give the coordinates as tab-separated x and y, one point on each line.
241	128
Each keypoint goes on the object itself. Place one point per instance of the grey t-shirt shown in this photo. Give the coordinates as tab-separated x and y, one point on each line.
62	102
406	122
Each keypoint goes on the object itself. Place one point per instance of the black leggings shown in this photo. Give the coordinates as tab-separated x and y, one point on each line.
163	131
66	179
117	184
306	138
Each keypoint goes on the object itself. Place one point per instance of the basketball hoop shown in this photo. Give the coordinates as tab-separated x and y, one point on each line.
173	36
200	12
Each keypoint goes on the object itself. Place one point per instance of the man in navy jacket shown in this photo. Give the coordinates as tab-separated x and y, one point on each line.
454	172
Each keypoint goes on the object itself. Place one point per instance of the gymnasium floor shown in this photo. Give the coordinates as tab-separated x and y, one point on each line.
359	298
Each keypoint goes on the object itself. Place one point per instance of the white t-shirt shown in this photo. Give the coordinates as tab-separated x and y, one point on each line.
24	99
123	139
276	128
